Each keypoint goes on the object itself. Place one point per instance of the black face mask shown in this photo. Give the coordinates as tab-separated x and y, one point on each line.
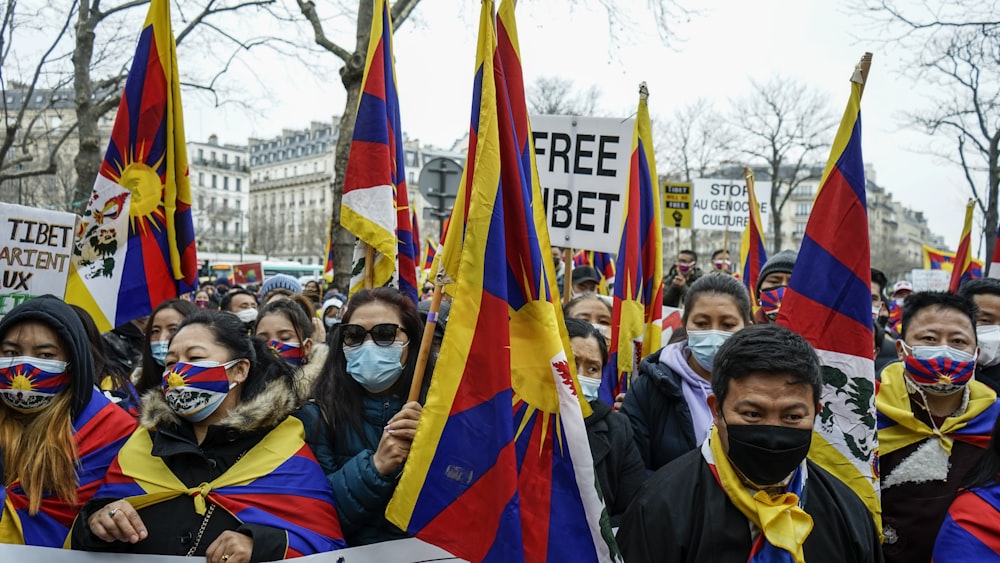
767	454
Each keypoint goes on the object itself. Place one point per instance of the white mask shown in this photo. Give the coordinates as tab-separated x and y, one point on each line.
247	315
989	344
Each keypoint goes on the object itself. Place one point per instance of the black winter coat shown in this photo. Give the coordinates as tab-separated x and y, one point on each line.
617	462
659	414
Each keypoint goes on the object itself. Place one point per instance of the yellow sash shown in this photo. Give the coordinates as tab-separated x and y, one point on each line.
10	525
781	520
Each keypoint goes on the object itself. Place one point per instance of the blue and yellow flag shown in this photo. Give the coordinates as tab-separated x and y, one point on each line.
963	263
638	295
753	255
828	301
501	440
935	259
375	206
603	262
329	264
135	245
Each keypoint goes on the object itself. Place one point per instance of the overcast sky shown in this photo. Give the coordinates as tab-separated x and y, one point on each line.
716	55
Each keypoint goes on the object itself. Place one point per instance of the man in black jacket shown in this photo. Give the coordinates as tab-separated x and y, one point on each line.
749	490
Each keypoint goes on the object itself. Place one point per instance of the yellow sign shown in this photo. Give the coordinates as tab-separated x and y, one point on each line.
677	199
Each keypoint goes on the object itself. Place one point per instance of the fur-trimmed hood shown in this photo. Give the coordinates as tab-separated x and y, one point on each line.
307	375
266	410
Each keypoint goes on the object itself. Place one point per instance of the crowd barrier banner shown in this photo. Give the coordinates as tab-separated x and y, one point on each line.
410	550
35	246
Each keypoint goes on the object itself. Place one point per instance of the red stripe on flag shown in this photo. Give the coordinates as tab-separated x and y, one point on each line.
829	329
535	483
481	384
968	510
368	170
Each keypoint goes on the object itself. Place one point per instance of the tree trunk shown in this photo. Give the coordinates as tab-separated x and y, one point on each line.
88	160
991	209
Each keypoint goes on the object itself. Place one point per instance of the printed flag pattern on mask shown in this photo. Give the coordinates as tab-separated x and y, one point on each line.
135	244
375	206
638	294
501	440
828	301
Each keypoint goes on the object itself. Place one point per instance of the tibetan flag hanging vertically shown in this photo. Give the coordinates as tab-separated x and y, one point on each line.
828	301
375	206
328	263
752	250
962	264
994	270
430	253
501	440
638	295
415	235
135	245
600	261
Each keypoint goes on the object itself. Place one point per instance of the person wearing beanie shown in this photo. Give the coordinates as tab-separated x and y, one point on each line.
281	281
771	285
58	433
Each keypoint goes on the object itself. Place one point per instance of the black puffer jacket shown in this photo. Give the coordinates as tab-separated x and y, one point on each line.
617	462
659	415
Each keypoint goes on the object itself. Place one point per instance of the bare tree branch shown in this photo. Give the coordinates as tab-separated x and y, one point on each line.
308	9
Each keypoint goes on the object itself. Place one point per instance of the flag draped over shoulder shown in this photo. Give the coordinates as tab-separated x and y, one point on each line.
501	441
135	245
638	294
828	301
753	255
375	206
963	264
935	259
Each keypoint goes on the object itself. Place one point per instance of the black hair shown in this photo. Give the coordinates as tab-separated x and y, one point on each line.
568	309
582	329
879	278
718	252
921	300
979	286
292	311
102	365
151	376
227	299
767	348
339	396
987	469
231	334
691	252
720	285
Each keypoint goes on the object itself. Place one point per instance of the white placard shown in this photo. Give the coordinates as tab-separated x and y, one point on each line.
35	246
583	165
719	203
930	280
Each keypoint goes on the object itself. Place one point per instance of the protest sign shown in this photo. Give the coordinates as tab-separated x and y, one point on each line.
721	204
251	272
930	280
677	199
35	246
583	165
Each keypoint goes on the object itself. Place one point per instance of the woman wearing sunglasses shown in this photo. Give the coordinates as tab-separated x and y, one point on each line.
361	394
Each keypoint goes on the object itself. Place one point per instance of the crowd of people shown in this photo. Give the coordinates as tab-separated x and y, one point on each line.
261	423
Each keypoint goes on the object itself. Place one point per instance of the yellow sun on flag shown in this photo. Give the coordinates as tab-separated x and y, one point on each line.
21	383
174	379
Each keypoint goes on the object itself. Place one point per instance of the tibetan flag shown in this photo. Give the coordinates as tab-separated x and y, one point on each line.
935	259
375	206
969	531
135	245
501	440
828	301
329	264
98	432
753	255
994	270
638	295
415	235
600	261
276	483
962	268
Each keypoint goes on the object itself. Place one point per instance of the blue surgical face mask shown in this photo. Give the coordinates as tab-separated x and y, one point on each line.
331	322
590	386
375	367
158	350
704	344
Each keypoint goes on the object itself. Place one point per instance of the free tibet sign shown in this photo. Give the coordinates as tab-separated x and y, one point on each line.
583	165
35	247
721	204
677	205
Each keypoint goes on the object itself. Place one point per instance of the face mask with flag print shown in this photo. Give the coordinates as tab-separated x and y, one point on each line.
194	390
938	370
770	300
29	384
291	352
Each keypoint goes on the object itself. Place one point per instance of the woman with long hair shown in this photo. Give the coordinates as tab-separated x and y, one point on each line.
160	327
58	434
217	461
362	395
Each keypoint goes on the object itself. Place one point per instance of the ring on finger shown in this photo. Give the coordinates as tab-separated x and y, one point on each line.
112	512
226	557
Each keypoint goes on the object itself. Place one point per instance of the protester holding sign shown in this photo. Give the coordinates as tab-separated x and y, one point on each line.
219	458
57	432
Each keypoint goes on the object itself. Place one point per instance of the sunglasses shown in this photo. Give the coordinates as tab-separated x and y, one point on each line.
382	334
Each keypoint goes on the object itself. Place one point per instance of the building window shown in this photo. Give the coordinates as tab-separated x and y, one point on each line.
213	156
800	228
225	158
225	182
805	190
215	181
201	178
803	209
238	182
201	154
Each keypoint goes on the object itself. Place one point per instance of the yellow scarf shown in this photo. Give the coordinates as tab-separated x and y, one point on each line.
780	518
893	403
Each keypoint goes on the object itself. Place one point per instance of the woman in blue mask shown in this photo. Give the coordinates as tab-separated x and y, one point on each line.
617	462
220	455
362	395
160	328
284	328
666	402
